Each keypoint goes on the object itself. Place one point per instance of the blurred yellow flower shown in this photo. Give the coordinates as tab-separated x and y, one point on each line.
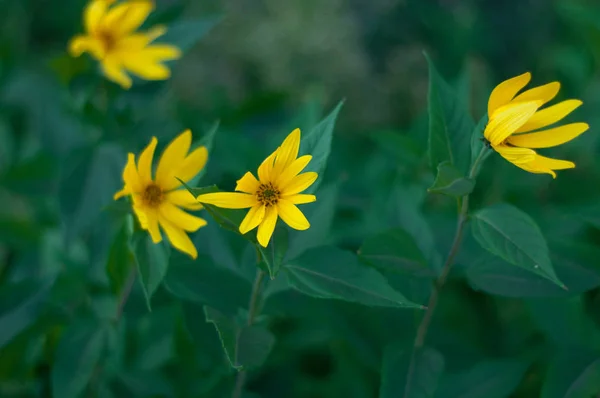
515	121
275	193
112	39
158	201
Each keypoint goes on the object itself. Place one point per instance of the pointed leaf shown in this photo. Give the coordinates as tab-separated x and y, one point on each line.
120	257
152	262
573	374
449	181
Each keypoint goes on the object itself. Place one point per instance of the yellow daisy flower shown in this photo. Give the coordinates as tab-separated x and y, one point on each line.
112	39
515	121
274	194
159	201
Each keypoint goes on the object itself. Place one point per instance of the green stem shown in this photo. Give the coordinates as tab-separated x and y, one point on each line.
441	280
253	311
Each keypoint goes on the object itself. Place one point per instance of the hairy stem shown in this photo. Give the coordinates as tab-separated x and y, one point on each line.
253	311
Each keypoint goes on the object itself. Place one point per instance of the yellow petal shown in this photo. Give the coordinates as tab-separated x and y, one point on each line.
265	170
549	138
288	151
155	32
80	44
228	200
178	238
172	158
180	218
151	225
93	14
127	17
145	162
516	155
291	215
190	167
161	52
123	192
253	218
299	199
130	174
184	198
248	183
267	226
542	93
146	68
113	70
547	116
299	183
544	165
293	169
507	119
505	91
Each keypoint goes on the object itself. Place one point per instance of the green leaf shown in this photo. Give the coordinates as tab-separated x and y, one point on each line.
245	346
226	218
276	250
573	374
120	257
450	125
487	379
185	34
76	358
395	251
318	144
328	272
152	261
511	234
203	282
428	366
451	182
87	184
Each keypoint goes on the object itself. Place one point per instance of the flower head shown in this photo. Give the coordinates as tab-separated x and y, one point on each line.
274	194
159	201
515	122
112	38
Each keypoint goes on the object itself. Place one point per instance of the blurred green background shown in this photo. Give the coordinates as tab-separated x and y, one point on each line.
265	67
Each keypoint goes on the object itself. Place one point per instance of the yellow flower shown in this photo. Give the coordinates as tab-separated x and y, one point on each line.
158	201
515	122
275	193
112	39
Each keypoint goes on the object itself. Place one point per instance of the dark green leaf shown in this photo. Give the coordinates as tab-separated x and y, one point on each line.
573	374
488	379
317	142
450	125
202	282
275	251
76	358
120	257
449	181
399	379
152	261
245	346
328	272
395	251
511	234
186	33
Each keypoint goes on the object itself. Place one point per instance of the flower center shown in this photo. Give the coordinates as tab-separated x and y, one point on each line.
153	195
108	41
267	194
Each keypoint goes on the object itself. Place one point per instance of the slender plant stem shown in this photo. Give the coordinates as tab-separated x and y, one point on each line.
126	293
441	280
253	311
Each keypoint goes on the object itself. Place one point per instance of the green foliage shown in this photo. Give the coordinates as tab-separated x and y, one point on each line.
451	182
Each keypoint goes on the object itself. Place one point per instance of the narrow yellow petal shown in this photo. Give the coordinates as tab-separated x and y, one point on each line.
507	119
228	200
171	159
248	183
288	151
178	238
93	14
291	215
505	91
113	70
146	68
130	174
161	52
183	198
516	155
145	162
180	218
123	192
299	199
549	138
267	226
547	116
293	169
151	225
190	167
542	164
265	170
542	93
254	217
126	17
80	44
299	183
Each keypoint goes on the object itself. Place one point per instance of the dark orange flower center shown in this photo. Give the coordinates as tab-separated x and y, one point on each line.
267	194
108	40
152	195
